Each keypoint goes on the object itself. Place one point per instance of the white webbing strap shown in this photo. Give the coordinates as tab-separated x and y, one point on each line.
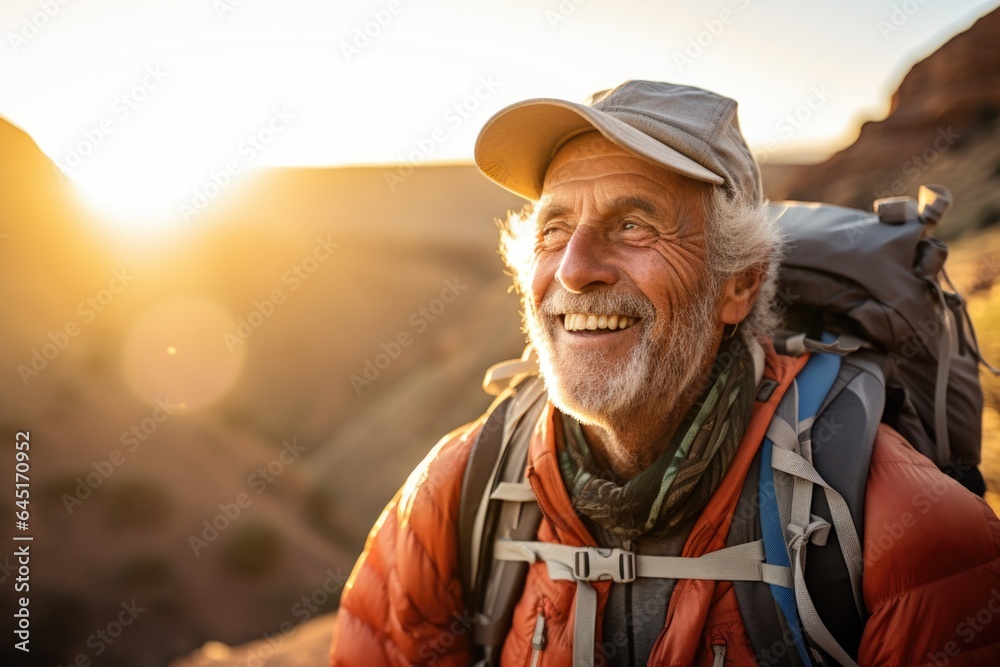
805	528
793	464
520	404
743	562
584	629
785	436
817	532
516	492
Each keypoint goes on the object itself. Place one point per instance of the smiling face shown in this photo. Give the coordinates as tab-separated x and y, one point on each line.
621	306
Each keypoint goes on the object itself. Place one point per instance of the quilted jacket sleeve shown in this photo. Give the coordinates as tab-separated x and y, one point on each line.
403	602
931	565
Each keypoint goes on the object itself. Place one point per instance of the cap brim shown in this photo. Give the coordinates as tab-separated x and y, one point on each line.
517	144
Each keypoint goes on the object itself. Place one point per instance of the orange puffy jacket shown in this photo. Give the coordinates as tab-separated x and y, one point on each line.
931	555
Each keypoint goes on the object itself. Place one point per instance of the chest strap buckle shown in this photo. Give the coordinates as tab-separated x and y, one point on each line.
596	564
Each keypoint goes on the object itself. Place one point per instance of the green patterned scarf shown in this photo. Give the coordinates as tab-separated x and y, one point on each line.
679	483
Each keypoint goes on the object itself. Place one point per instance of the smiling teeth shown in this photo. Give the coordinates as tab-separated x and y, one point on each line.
590	322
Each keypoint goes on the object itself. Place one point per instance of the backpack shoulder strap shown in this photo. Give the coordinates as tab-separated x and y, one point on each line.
509	381
478	470
810	480
496	502
842	438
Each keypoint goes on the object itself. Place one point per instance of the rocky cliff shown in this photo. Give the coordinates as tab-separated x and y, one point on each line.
943	126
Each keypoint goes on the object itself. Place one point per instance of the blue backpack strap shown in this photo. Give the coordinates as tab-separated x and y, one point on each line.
842	440
769	634
815	381
775	551
812	385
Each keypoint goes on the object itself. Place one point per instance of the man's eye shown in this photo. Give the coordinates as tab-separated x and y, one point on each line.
629	225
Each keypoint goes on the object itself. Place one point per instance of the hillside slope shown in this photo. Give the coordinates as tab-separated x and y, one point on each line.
943	126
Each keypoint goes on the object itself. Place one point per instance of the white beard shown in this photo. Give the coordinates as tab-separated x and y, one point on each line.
666	362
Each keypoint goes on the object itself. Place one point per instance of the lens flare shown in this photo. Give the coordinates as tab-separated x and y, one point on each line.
176	352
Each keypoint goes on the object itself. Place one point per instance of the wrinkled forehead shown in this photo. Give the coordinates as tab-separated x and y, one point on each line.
590	145
591	158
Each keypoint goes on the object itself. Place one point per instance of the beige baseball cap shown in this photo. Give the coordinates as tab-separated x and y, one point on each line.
688	130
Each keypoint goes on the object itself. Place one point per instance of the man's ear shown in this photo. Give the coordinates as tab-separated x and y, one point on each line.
739	293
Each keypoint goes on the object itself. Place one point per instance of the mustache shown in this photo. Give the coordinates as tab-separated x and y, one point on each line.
559	301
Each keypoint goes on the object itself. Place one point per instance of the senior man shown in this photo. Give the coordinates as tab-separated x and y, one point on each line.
646	264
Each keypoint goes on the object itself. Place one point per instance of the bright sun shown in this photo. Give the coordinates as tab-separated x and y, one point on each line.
146	181
133	197
138	194
150	183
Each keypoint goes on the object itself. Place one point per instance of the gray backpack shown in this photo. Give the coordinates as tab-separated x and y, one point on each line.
873	280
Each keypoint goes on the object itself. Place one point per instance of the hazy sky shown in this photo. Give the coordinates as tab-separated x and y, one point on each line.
128	93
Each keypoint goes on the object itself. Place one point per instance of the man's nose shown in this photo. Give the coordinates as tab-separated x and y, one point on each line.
586	261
